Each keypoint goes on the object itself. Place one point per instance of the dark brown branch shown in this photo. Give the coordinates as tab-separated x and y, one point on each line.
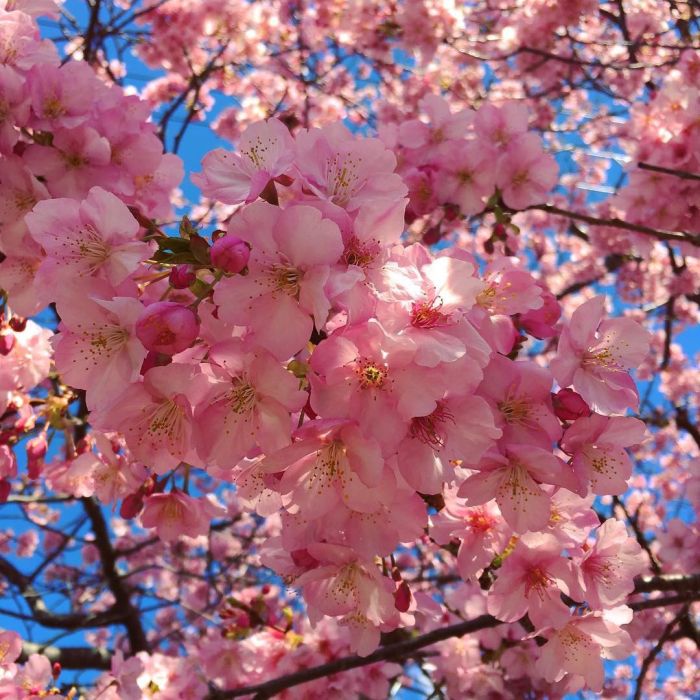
41	614
108	558
682	174
641	539
684	423
649	658
75	658
674	236
391	651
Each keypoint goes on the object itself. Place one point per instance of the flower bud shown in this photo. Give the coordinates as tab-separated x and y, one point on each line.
181	276
230	254
5	488
7	342
56	670
17	323
8	462
568	405
432	235
131	506
402	597
36	451
167	327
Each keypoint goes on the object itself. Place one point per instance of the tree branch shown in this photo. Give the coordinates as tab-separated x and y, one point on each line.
693	239
76	658
391	651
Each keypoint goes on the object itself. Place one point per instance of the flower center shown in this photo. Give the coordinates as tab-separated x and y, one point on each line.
371	375
486	297
602	358
342	177
257	153
359	253
241	398
515	410
53	108
538	581
286	279
166	419
479	521
428	314
431	429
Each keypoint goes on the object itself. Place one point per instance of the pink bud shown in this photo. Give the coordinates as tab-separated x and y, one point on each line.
7	342
17	323
181	276
230	254
167	327
432	235
56	670
131	506
402	597
242	619
540	322
8	462
568	405
36	451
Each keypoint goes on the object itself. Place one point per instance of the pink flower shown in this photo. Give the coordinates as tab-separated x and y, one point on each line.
427	305
467	176
520	393
500	126
347	171
14	108
95	237
126	673
481	533
62	96
175	514
248	403
459	429
96	349
266	150
155	416
10	647
531	580
230	254
364	374
576	649
526	173
29	361
442	124
609	567
75	161
594	355
509	290
282	297
167	327
344	586
331	463
599	459
512	479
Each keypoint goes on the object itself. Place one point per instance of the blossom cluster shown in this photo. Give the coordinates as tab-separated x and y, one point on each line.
362	394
